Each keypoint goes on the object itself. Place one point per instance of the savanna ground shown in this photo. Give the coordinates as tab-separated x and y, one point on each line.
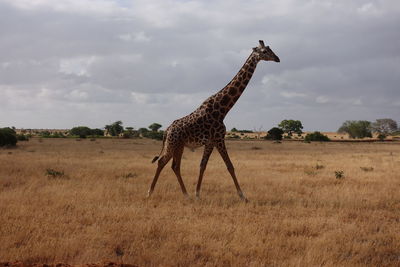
76	202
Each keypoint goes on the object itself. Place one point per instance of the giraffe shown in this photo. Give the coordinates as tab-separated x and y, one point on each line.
205	126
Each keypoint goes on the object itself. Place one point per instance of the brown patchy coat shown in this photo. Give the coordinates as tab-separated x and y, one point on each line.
205	126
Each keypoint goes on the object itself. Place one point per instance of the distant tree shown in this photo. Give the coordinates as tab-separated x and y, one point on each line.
234	130
274	133
98	132
45	134
115	128
130	133
356	129
316	136
8	137
81	131
154	135
384	127
291	126
155	126
143	131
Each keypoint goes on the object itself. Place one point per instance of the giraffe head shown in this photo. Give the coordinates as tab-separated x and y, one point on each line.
265	53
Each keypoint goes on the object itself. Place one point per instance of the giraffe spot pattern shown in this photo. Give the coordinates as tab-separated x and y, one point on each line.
206	123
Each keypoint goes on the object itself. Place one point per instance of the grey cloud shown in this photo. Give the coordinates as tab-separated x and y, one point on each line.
104	60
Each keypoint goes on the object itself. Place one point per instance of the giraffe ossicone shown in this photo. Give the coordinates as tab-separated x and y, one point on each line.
205	126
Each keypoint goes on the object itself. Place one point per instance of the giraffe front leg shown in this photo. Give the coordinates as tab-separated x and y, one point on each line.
206	155
161	164
224	154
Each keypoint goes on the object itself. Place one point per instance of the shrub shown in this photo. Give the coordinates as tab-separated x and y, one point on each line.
381	136
339	174
51	173
8	137
154	135
97	132
81	131
130	133
22	137
44	134
316	136
274	134
57	135
142	131
114	129
356	129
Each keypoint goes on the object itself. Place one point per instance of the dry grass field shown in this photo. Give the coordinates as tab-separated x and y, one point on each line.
299	214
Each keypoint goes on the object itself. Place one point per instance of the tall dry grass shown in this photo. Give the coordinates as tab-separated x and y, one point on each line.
299	213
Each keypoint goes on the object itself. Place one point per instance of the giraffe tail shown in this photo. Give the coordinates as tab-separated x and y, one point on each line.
157	157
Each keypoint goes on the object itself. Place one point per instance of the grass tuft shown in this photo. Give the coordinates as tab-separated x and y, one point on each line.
54	173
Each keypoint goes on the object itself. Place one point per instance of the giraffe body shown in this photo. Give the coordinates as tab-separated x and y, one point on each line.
205	126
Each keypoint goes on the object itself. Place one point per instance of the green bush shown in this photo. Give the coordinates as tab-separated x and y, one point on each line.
274	134
154	135
316	136
130	133
381	136
96	132
81	131
114	129
22	137
356	129
8	137
44	134
84	131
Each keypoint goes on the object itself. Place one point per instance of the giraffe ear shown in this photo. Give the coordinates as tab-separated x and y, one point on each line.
262	43
254	49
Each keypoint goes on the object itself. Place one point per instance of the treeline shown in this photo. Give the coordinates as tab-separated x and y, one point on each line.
9	136
117	129
356	129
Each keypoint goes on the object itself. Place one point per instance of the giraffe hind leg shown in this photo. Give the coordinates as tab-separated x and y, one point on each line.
163	160
176	167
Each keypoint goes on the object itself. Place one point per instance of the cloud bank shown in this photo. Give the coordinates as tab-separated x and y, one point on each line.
80	62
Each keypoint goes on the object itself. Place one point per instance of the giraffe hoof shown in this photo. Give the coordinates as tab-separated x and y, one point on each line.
242	197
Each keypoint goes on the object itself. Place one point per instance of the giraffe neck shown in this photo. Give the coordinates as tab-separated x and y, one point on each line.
220	103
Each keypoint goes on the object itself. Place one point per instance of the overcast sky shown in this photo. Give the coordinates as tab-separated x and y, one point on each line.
65	63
